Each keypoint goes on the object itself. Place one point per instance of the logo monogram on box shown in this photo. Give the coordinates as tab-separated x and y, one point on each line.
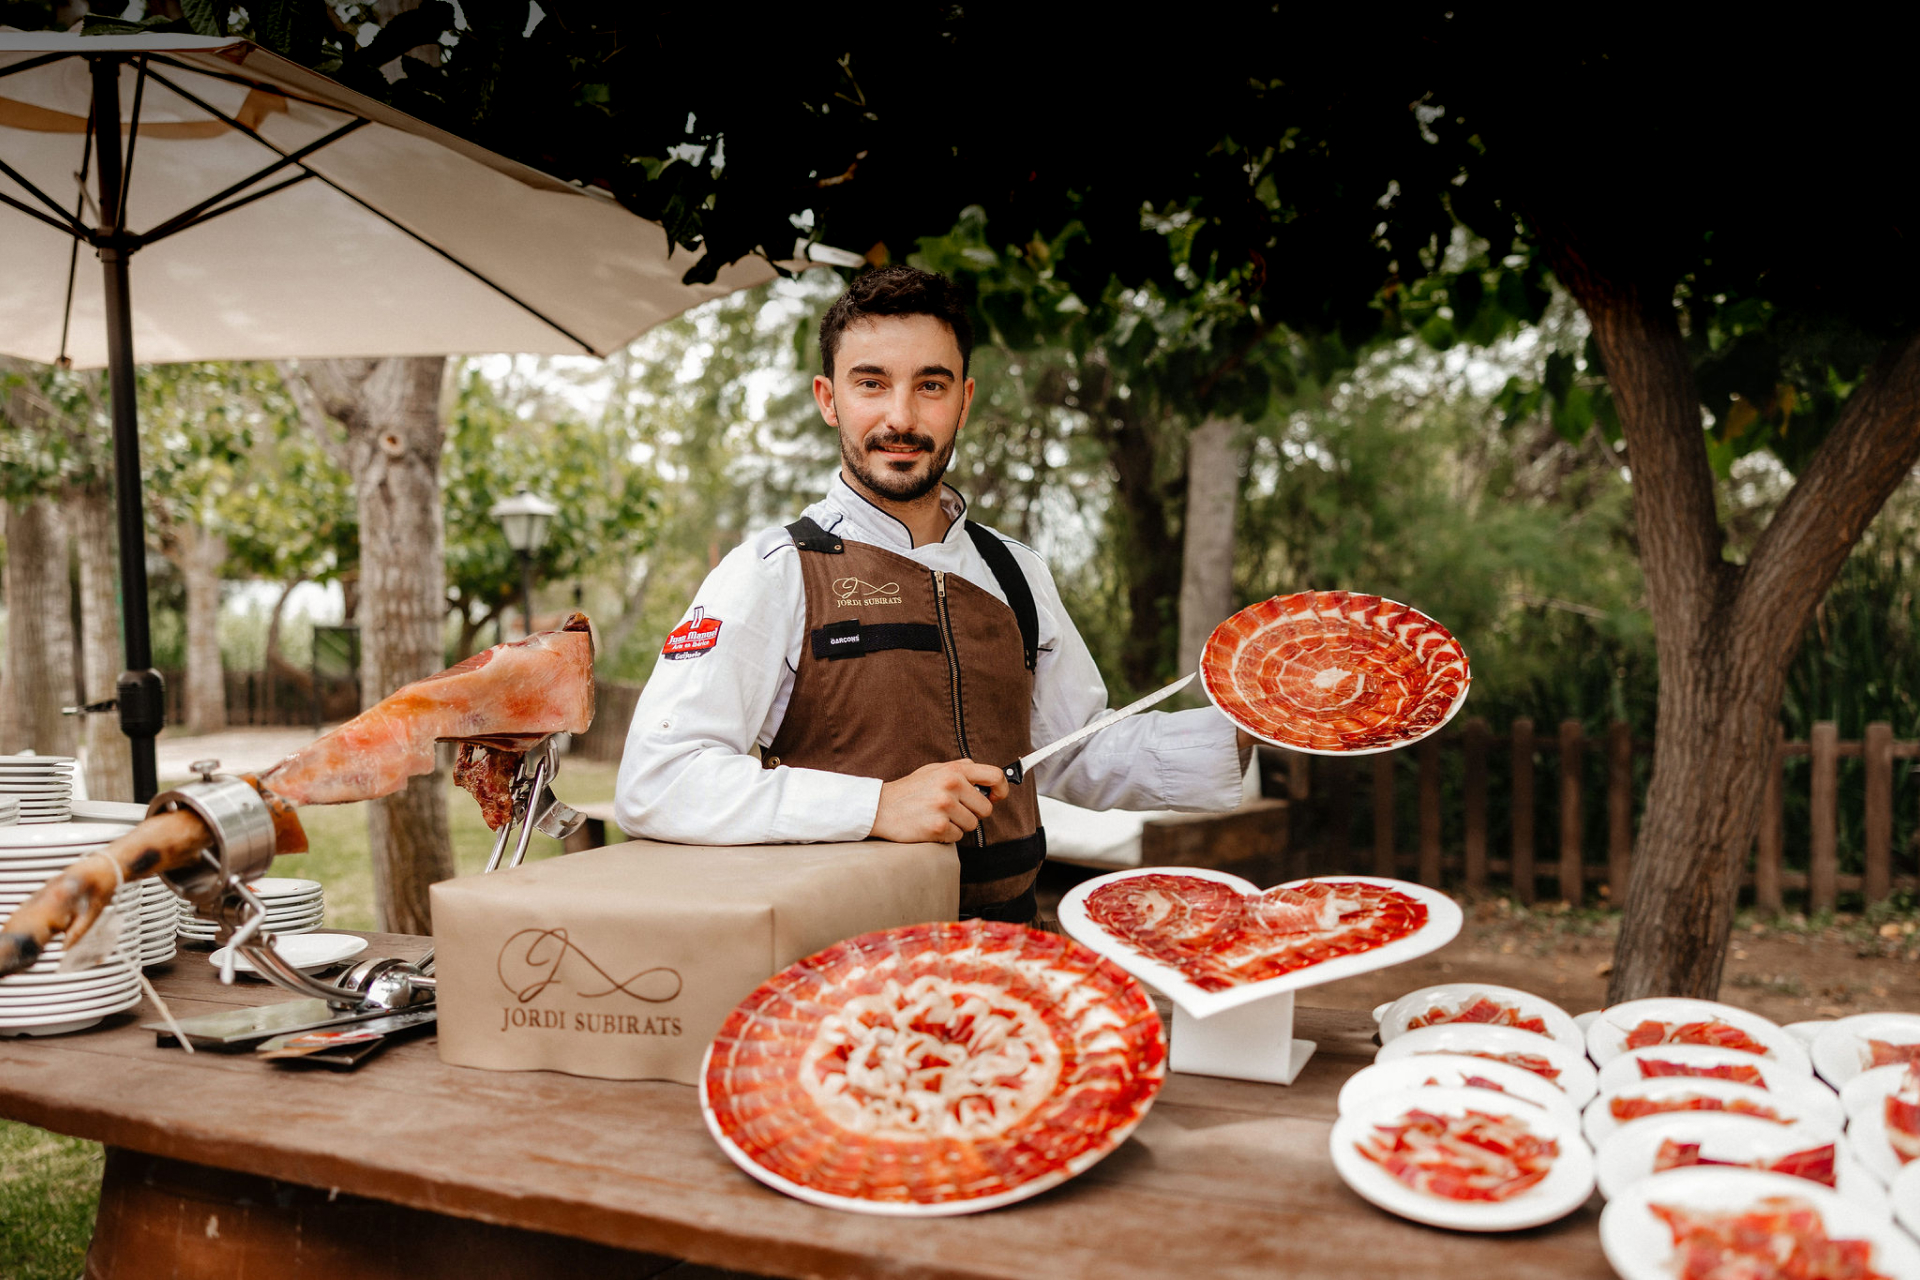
853	593
534	957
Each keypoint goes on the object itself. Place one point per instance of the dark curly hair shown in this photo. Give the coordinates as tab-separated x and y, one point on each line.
897	290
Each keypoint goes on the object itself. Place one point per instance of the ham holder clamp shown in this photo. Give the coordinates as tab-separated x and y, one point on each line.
211	839
1326	672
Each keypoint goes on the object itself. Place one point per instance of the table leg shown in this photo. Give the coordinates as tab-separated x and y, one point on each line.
167	1218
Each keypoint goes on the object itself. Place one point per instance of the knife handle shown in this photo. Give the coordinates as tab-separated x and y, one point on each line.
1014	774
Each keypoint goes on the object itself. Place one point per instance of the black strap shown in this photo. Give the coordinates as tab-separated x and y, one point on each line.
848	639
1020	910
1013	583
809	536
1006	858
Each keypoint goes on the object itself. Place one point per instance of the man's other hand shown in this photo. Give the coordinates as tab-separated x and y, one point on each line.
938	802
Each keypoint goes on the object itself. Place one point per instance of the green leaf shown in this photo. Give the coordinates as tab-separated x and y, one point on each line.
410	30
1558	379
206	17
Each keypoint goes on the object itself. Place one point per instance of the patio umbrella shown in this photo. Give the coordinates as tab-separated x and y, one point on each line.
273	212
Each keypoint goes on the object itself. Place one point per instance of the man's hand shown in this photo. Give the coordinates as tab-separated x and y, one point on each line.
938	802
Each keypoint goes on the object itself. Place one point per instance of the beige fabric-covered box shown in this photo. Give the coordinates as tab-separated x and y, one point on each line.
622	962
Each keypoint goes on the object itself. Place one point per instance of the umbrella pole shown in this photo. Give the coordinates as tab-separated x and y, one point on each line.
139	692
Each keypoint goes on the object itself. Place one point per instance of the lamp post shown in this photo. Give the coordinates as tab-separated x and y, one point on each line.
523	519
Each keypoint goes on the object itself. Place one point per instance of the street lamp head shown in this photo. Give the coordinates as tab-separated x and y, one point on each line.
524	519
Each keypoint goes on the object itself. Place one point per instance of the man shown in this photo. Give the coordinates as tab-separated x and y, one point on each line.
889	657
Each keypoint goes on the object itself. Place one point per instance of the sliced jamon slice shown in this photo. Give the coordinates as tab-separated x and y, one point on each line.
933	1069
1334	671
1815	1164
1480	1009
1474	1156
1776	1238
1720	1035
1886	1054
1626	1107
1903	1116
1739	1073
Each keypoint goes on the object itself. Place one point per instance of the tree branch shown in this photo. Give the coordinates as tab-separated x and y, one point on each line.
319	425
1865	457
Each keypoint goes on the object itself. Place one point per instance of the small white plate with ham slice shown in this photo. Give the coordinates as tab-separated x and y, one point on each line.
1864	1041
1545	1057
1817	1114
1453	1071
1867	1133
1532	1158
1659	1145
1640	1244
1678	1020
1678	1061
1479	1004
1870	1089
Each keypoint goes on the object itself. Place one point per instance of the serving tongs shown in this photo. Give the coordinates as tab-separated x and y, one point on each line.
243	847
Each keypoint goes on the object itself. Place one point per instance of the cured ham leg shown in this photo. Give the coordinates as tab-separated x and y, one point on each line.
500	703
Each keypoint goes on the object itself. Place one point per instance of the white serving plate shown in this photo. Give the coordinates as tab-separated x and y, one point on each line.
1806	1109
1640	1245
1443	922
1564	1189
115	811
1627	1156
1576	1079
96	1002
1779	1077
284	886
1607	1034
304	951
1840	1050
51	1028
1904	1196
1394	1018
1867	1134
60	835
1450	1071
28	984
1870	1089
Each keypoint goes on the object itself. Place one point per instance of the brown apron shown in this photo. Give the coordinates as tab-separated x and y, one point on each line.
907	666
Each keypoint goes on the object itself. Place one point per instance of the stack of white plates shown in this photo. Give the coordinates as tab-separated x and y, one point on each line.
44	1001
9	811
159	922
293	906
42	784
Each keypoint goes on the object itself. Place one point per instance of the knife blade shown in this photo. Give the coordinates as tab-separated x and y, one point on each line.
1018	769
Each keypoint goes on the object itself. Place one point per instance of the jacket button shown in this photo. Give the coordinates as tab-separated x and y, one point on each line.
773	762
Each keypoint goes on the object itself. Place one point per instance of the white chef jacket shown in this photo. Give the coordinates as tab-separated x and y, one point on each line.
687	774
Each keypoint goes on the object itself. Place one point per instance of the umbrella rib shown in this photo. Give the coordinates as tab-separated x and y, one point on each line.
241	203
31	63
391	221
190	217
133	140
73	246
72	229
71	226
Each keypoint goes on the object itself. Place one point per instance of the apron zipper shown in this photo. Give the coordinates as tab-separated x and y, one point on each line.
953	677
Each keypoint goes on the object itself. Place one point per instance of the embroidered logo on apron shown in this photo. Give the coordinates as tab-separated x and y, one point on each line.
853	593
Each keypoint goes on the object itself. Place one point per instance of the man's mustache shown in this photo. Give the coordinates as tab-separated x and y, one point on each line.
894	440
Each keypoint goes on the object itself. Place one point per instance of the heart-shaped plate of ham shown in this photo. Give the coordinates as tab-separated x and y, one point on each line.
1211	941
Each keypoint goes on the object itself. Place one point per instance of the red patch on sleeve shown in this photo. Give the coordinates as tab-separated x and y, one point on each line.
693	637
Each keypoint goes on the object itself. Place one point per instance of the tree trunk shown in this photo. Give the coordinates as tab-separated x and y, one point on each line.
202	556
271	660
1152	559
391	410
39	631
109	755
1206	557
1725	633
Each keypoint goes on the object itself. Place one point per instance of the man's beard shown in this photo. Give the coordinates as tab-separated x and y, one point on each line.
887	482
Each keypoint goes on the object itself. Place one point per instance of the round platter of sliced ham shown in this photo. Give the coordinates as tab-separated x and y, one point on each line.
1713	1139
1335	673
1743	1222
1669	1020
932	1070
1479	1003
1211	941
1468	1159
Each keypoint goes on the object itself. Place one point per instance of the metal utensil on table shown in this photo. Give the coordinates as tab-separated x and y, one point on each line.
1017	771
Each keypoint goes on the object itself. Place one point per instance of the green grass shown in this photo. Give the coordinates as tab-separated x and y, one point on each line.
50	1184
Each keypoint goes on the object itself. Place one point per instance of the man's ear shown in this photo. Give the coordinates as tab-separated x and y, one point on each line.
966	406
823	396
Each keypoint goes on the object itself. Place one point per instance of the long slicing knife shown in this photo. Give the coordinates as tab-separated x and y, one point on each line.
1018	769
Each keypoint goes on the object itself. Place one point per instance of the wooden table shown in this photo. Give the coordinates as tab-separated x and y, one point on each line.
223	1165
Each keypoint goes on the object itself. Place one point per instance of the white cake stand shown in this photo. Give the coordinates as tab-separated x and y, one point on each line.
1246	1032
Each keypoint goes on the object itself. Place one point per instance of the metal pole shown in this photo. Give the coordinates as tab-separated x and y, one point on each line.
139	692
526	589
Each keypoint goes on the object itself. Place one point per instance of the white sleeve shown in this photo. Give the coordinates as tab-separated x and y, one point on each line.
687	773
1152	760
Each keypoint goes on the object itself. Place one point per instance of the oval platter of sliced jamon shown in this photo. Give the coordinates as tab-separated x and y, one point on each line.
1335	673
932	1070
1211	941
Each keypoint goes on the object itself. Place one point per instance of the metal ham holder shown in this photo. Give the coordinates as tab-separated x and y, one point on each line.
397	993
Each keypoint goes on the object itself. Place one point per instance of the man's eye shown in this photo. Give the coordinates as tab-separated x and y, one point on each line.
933	386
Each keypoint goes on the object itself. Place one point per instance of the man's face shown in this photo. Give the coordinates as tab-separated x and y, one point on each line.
899	401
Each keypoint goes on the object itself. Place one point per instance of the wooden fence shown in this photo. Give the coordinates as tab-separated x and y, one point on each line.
1471	854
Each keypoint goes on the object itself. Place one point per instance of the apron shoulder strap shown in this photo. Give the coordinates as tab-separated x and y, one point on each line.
1006	571
809	536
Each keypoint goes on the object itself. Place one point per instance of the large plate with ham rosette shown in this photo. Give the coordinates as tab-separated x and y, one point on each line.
1212	941
1335	672
934	1069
